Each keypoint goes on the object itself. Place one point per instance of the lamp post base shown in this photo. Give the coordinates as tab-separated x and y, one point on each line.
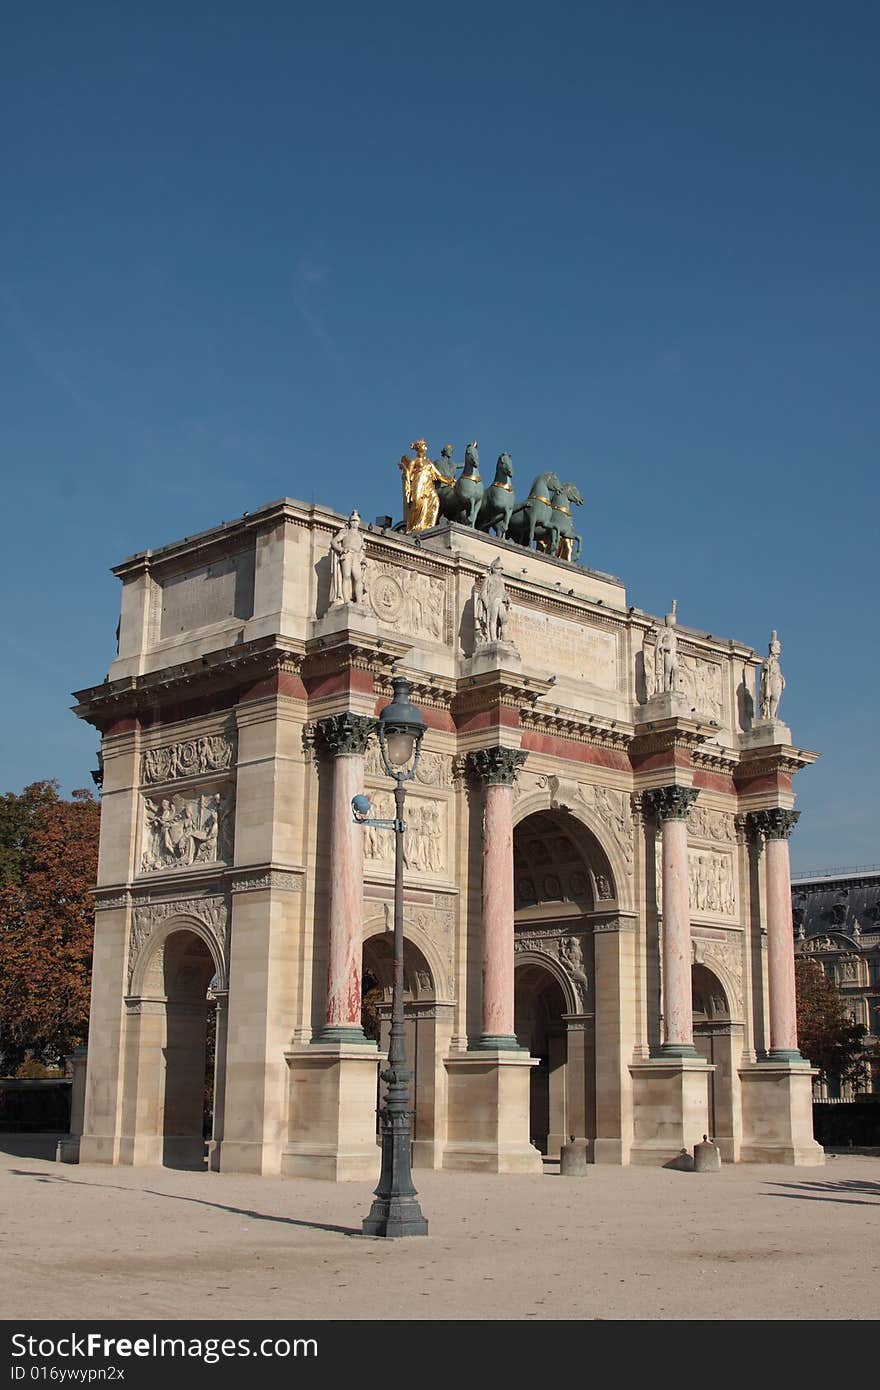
395	1216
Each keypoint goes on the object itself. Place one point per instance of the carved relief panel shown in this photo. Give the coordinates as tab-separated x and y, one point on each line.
711	883
701	681
409	601
181	830
424	842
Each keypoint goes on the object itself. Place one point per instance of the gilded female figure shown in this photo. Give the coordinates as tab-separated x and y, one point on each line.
421	504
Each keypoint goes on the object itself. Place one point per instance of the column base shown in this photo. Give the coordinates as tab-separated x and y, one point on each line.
777	1111
349	1034
670	1107
677	1050
332	1113
488	1112
786	1054
497	1042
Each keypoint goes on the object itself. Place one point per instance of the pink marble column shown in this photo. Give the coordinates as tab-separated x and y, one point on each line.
497	769
776	825
345	736
671	806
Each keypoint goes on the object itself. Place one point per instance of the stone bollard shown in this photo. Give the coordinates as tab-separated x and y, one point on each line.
573	1158
707	1156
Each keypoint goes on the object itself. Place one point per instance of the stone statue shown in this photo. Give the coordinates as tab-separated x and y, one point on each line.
772	679
348	564
666	654
421	503
491	606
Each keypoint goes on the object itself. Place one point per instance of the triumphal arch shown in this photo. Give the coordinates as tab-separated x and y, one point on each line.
597	895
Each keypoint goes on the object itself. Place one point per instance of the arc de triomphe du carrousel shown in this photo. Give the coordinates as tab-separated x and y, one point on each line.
598	934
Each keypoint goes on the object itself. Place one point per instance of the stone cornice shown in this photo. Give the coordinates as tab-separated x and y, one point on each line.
267	876
438	692
713	758
351	651
503	686
577	727
768	762
669	736
189	680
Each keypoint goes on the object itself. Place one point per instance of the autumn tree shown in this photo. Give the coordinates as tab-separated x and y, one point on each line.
48	866
826	1032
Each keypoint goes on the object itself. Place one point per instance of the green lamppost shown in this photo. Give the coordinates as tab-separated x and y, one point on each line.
396	1211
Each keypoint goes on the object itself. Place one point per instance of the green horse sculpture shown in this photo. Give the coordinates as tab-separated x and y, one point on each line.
498	500
567	545
461	500
537	510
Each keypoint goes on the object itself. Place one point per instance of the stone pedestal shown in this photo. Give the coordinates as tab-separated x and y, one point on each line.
766	733
670	1107
669	704
777	1114
488	1114
332	1113
493	656
347	617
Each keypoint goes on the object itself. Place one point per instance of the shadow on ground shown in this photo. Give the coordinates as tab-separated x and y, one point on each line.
197	1201
850	1190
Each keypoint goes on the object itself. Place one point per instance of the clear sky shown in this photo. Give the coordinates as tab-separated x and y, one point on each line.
252	250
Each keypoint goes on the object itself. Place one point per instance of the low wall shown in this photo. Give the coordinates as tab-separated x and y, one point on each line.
28	1107
856	1122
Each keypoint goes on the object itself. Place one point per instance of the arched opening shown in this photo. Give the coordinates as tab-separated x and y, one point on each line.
563	882
188	969
423	1047
712	1039
560	869
539	1005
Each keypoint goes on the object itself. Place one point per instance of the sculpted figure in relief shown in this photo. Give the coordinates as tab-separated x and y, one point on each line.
772	679
348	564
666	654
572	957
180	832
491	605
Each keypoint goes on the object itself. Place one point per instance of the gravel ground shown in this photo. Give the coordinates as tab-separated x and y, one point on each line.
623	1243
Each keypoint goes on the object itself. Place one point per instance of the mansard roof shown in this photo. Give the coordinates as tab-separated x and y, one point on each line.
837	905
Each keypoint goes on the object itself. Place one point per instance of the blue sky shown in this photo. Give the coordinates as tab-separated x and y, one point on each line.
250	251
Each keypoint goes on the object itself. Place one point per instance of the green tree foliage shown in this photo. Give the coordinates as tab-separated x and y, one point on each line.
48	866
826	1033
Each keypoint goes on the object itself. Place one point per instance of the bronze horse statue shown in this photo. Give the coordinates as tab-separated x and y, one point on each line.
460	501
568	544
537	511
498	500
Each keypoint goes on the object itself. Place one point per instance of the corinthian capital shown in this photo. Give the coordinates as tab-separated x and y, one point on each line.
497	766
346	734
671	803
775	823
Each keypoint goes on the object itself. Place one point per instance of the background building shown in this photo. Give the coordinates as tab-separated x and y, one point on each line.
837	924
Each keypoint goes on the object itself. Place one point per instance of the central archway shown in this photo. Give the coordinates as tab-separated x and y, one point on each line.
563	882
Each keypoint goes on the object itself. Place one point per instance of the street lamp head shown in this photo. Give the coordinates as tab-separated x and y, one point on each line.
360	807
401	729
